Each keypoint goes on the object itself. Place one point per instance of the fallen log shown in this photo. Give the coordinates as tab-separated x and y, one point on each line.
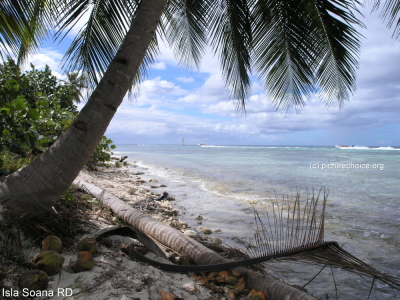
174	239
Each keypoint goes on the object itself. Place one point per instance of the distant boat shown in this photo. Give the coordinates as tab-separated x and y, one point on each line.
183	142
351	147
201	145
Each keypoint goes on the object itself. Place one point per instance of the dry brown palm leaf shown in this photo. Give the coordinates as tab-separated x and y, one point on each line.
296	228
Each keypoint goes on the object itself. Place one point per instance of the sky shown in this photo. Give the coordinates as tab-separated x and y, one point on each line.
175	104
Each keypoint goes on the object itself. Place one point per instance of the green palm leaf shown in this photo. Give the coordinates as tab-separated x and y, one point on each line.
390	12
337	47
305	46
23	25
99	39
184	26
231	38
282	53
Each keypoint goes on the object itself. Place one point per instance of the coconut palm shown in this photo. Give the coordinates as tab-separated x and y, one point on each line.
76	82
23	25
296	48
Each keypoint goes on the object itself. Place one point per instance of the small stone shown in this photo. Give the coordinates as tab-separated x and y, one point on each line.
189	287
52	242
231	280
131	191
49	261
205	230
33	280
185	260
170	198
215	240
84	262
87	244
190	233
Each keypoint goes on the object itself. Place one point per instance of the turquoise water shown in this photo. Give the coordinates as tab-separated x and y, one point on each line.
221	182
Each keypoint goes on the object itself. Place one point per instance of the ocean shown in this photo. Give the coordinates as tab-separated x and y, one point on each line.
222	183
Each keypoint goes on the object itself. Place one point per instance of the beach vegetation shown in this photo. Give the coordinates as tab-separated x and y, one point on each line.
103	151
35	109
11	162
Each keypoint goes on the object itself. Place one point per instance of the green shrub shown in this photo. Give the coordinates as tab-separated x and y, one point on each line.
35	109
10	162
103	152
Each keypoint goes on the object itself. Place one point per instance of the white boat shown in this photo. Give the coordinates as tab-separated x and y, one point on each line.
351	147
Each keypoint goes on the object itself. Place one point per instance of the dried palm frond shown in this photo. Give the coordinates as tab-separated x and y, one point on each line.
296	230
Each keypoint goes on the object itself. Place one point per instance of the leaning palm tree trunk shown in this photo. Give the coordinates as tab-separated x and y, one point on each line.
174	239
35	188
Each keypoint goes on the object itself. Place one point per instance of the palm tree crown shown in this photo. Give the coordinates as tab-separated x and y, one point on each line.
75	82
296	48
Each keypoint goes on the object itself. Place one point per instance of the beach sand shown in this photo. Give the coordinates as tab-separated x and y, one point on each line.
114	275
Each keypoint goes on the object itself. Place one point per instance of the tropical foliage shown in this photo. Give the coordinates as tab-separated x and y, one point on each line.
35	109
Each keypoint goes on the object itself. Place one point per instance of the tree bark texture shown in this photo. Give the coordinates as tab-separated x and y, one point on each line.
36	187
174	239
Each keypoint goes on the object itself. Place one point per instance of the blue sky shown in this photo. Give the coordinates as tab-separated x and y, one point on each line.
174	103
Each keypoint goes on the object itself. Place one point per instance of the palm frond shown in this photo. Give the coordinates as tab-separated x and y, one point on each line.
231	38
23	24
40	15
303	47
283	54
184	25
295	231
98	40
337	45
390	13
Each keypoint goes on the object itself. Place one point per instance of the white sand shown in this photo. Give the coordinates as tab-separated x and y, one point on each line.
115	276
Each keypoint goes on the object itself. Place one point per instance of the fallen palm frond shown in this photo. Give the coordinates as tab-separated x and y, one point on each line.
298	228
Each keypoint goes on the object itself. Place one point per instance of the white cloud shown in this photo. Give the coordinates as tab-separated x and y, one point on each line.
45	56
212	91
159	66
185	79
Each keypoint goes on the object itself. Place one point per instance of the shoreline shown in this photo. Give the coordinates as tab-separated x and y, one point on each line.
348	237
115	275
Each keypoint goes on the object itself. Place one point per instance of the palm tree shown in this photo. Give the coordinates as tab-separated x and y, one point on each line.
297	48
75	82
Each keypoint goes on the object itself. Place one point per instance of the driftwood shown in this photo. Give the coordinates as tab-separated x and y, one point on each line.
174	239
119	158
